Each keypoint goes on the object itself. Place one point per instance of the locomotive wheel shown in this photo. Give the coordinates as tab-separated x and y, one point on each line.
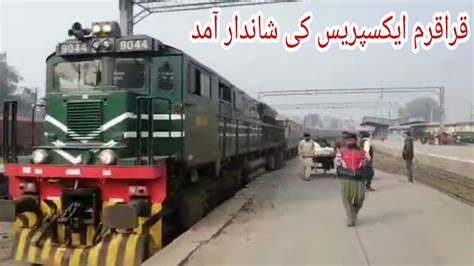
279	159
229	184
271	162
191	208
244	178
240	178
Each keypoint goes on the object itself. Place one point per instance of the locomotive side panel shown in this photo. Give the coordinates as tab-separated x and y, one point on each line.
295	134
168	83
200	107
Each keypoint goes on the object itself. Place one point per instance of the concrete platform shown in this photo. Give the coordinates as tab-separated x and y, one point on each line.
283	220
455	159
453	152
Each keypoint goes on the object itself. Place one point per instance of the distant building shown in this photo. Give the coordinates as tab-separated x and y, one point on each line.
313	121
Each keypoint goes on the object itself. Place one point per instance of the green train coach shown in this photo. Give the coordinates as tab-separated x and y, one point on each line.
139	138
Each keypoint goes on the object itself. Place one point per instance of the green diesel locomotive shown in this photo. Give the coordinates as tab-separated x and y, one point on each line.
139	137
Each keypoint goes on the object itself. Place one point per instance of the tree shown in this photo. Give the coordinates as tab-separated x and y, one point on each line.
9	87
26	97
9	78
424	107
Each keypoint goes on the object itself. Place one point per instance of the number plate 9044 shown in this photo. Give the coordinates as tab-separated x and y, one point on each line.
130	45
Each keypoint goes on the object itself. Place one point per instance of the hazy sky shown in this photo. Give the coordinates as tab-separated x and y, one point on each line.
29	31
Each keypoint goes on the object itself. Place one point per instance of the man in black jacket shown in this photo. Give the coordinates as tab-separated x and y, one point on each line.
366	145
408	154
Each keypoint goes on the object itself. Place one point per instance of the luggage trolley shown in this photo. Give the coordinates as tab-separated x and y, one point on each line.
325	156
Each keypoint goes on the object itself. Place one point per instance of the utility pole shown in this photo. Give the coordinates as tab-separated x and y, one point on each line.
144	8
431	114
126	16
472	112
36	95
442	109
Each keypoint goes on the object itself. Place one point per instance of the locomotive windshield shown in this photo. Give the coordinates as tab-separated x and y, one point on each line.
119	73
77	75
129	73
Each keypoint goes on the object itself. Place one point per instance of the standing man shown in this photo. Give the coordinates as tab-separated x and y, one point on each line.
351	160
408	154
306	154
366	145
340	141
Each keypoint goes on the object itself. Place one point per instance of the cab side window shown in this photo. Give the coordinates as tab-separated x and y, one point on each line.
200	83
129	73
196	87
205	84
237	101
225	93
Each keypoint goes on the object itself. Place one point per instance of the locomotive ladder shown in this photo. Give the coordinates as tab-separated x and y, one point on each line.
149	103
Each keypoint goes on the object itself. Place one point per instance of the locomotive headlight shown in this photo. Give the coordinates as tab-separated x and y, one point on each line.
106	28
95	45
40	156
107	156
107	44
96	29
29	187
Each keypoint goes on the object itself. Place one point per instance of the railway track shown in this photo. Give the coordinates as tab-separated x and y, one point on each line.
456	186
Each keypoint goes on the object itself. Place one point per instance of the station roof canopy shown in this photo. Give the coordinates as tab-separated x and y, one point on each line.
385	122
375	121
411	121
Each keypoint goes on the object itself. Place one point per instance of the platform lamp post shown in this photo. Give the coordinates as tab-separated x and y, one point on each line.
441	109
472	112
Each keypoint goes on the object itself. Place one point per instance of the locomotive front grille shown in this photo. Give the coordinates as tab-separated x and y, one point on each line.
84	120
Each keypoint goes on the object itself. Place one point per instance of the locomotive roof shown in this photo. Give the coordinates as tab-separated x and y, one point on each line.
211	71
168	49
161	48
203	66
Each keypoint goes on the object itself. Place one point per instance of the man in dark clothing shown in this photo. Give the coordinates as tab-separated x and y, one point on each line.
408	154
351	160
366	145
